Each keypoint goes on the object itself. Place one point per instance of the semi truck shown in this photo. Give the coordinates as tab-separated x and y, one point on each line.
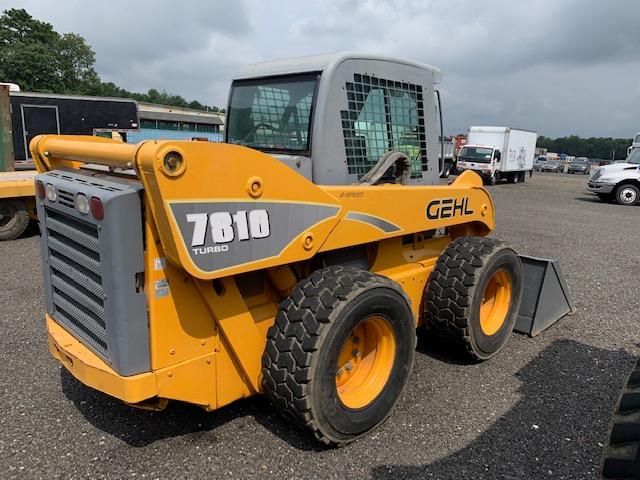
498	153
618	181
635	143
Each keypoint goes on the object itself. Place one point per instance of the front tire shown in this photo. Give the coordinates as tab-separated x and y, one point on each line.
473	295
14	219
627	194
340	352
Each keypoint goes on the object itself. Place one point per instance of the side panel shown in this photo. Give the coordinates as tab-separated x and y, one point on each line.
521	149
213	224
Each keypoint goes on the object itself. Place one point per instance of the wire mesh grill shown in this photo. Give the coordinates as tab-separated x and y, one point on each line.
382	115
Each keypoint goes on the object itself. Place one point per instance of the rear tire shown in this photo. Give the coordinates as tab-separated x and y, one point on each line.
627	194
339	353
447	171
473	295
622	451
14	219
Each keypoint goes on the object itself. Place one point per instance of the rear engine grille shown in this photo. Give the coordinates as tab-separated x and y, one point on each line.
66	198
76	277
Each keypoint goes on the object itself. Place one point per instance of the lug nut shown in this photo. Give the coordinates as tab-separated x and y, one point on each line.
339	372
355	352
355	339
348	367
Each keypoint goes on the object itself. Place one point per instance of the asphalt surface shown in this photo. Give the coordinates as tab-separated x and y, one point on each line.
540	409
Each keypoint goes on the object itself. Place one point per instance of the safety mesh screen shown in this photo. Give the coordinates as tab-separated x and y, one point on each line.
382	115
286	123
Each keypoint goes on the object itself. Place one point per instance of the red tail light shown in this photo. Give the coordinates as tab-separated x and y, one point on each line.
40	189
97	208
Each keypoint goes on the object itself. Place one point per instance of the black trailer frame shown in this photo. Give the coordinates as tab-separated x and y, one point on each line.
37	113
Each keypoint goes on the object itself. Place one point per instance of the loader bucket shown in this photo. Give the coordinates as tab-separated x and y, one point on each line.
545	297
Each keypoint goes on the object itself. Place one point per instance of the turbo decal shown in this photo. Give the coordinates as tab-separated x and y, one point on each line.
220	235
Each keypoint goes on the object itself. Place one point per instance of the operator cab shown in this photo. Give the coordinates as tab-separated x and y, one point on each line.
331	117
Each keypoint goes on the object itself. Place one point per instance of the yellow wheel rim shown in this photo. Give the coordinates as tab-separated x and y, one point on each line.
365	362
496	301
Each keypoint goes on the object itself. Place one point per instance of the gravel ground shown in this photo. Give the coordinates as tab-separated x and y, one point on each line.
540	409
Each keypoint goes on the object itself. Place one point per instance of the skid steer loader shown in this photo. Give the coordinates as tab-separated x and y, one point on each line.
297	259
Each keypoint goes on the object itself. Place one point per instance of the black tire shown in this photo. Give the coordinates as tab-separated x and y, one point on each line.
627	194
447	171
515	177
456	288
301	356
492	180
622	451
14	219
522	176
606	197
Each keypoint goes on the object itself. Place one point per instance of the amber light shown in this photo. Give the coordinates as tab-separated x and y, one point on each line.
97	208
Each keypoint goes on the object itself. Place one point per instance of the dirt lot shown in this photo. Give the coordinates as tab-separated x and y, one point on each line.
540	409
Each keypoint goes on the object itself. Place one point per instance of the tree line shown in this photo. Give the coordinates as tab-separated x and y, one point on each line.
39	59
593	147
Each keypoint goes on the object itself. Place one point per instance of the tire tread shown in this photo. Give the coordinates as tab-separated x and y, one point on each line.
302	322
450	289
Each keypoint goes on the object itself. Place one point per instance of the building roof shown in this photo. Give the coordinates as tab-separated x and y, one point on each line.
316	63
152	111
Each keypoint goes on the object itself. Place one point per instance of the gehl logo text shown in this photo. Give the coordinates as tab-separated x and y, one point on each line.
448	208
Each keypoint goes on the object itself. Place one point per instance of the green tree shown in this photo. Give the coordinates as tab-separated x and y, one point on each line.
36	57
593	147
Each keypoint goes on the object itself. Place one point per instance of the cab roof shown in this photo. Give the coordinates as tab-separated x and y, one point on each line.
323	62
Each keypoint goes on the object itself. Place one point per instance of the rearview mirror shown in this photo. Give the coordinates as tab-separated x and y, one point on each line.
496	155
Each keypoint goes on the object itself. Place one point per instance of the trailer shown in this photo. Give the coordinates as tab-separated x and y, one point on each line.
25	115
33	114
498	153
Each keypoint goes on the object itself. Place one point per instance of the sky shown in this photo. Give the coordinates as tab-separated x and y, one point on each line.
559	67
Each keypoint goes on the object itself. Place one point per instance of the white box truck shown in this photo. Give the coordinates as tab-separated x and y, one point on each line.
498	153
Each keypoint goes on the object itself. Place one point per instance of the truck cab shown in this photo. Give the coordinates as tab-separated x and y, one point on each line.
618	181
482	159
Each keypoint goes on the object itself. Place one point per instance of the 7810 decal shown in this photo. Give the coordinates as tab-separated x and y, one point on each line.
225	227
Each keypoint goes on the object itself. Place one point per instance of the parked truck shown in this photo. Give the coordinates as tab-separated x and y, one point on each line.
618	181
451	147
498	153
